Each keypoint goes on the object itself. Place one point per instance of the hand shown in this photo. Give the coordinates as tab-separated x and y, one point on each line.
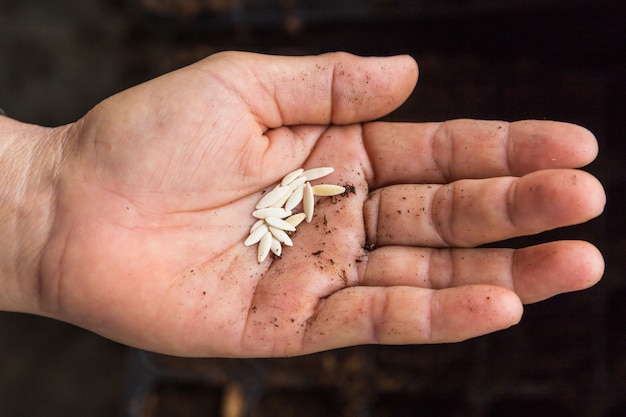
154	198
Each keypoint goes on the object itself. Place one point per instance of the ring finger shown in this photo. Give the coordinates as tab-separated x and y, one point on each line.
534	273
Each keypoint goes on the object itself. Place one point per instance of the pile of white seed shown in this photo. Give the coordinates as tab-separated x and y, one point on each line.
275	210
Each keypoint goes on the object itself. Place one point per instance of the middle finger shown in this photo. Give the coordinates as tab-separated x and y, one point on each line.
469	213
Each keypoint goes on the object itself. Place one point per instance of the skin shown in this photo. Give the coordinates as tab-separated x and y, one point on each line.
131	221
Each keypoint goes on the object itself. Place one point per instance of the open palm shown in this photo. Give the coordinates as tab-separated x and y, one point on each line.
156	192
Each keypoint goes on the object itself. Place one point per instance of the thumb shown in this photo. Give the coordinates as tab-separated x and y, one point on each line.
337	88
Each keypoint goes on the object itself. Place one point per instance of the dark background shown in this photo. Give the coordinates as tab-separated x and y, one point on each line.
561	60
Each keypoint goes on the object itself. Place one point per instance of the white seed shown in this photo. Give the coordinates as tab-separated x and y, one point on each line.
256	235
297	183
276	247
272	196
264	247
280	224
281	201
257	224
315	173
308	202
328	190
295	198
263	213
291	176
281	236
296	219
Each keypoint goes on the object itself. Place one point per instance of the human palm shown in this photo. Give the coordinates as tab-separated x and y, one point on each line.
155	198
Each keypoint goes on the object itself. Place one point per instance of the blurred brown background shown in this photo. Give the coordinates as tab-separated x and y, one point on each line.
560	60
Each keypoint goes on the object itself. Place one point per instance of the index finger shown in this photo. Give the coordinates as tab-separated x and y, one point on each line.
463	149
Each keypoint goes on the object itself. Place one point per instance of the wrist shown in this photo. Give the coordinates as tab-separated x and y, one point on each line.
30	158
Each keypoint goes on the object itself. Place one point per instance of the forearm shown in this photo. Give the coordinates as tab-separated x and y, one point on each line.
30	157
